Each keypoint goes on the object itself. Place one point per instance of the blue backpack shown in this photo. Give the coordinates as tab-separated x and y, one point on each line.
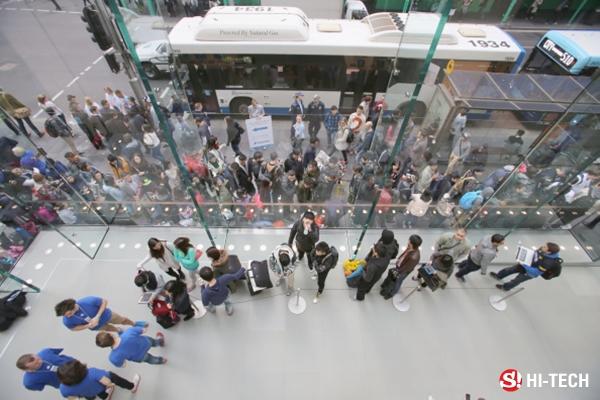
467	200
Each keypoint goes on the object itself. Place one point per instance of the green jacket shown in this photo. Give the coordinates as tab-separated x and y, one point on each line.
187	261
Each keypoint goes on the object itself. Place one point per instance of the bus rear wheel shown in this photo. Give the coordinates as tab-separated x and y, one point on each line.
240	105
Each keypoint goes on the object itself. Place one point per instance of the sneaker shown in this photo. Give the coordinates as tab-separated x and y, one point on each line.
161	339
109	392
501	287
229	309
212	310
289	292
460	278
136	382
314	276
316	299
164	360
495	276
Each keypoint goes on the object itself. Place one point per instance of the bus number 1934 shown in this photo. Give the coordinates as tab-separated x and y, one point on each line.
488	43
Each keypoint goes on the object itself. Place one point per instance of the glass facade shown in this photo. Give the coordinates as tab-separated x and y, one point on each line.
436	124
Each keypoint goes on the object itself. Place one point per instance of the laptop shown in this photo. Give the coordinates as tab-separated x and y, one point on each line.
525	255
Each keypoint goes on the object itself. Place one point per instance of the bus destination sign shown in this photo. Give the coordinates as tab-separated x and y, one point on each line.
557	53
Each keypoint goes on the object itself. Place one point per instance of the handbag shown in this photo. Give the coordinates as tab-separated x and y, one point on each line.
22	112
198	254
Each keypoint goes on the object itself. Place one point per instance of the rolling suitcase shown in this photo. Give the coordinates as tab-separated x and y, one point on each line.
257	277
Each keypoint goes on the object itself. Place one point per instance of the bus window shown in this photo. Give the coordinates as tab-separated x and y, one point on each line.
540	63
240	72
407	70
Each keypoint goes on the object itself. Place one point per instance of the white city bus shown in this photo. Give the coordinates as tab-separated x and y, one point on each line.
234	54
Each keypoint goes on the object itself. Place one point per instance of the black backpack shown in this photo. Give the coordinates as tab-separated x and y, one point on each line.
552	266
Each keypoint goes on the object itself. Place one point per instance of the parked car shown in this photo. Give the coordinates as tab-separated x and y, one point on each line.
154	56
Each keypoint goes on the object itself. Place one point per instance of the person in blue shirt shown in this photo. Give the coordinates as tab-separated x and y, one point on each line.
77	380
546	263
215	292
40	369
131	345
91	313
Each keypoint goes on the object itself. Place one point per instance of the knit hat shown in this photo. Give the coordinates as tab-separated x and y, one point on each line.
387	236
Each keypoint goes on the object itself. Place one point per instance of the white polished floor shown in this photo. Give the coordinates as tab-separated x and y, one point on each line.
448	344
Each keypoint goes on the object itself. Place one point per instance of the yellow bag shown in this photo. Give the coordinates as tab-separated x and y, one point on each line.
351	265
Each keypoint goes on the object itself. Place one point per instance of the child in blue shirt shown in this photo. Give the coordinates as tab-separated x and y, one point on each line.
131	345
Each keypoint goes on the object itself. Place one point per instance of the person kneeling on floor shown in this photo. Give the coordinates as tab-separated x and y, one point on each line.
131	345
546	263
215	291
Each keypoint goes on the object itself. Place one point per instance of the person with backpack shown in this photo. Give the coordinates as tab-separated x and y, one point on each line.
234	134
546	263
131	345
405	264
40	369
325	258
480	256
306	235
57	128
215	292
164	254
283	263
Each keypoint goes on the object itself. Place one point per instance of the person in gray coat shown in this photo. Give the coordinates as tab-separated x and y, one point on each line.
481	256
454	244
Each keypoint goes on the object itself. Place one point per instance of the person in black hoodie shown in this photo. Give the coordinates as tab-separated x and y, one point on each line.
377	262
324	258
391	244
306	233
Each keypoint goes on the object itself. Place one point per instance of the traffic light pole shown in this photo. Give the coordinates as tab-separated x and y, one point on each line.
118	48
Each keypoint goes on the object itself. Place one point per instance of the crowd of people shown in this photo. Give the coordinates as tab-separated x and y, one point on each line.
172	300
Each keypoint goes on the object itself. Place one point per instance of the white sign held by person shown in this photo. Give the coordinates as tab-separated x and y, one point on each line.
260	132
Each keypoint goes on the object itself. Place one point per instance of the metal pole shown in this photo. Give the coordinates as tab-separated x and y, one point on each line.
577	12
508	11
298	297
406	6
151	8
162	120
409	110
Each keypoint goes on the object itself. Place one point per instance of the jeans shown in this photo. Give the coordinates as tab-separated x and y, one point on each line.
157	154
331	137
399	281
149	358
11	126
308	256
515	269
228	305
235	146
321	276
118	381
313	128
466	268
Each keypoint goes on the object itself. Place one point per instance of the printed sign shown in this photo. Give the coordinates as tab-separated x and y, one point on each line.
557	53
260	132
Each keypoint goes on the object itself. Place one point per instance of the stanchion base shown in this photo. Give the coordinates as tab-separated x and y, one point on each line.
400	304
497	303
200	311
297	306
